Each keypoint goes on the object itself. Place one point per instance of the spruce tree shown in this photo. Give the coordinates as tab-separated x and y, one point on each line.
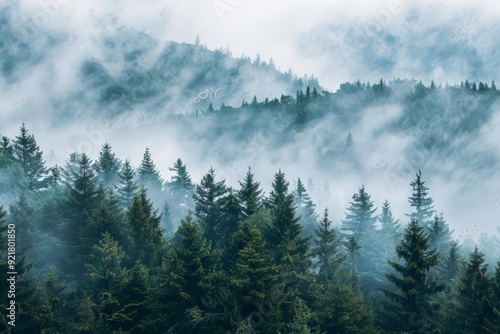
180	184
209	198
6	148
254	280
30	157
305	208
422	204
82	198
133	298
390	226
440	235
360	218
249	195
107	166
413	308
127	187
145	233
326	252
70	168
184	283
284	234
352	245
475	312
148	176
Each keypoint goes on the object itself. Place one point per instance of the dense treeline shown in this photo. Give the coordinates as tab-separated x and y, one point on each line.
100	250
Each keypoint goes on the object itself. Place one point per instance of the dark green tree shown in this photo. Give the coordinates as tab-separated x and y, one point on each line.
146	236
327	250
184	283
422	204
127	187
254	281
149	177
107	166
180	184
249	195
360	218
30	157
352	245
475	312
284	234
209	198
305	209
412	308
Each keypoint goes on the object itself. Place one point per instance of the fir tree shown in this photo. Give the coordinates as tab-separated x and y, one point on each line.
284	234
209	198
327	249
29	156
107	166
353	247
184	283
70	169
249	195
145	233
475	311
360	217
420	201
133	298
149	177
305	208
413	308
180	184
6	148
127	187
254	278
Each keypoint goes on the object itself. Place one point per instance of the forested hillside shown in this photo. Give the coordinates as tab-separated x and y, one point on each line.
104	247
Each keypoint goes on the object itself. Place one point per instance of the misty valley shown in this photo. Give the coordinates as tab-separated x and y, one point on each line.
156	186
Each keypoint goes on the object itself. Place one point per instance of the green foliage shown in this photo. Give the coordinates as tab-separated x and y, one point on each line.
412	309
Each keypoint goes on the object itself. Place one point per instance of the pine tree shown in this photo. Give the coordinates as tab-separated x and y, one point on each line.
249	195
359	218
390	226
184	283
29	156
180	184
284	234
127	187
353	247
167	222
254	279
343	310
133	298
149	177
82	198
6	148
475	311
209	198
413	308
327	250
420	201
70	168
145	233
440	235
107	166
305	209
105	274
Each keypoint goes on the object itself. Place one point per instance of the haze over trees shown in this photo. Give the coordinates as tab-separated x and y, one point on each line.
104	248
